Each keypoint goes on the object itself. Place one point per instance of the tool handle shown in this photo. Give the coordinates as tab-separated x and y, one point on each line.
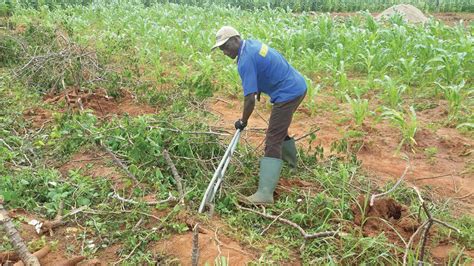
207	196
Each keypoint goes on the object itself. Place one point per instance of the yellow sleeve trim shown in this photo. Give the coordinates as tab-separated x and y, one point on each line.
263	51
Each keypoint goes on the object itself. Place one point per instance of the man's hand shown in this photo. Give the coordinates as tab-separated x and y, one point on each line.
239	124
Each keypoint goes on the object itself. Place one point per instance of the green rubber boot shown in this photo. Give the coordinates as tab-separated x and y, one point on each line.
288	152
268	179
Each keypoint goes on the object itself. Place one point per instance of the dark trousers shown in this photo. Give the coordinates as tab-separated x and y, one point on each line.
280	120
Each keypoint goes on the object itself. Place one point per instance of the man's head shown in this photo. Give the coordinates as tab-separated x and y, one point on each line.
228	40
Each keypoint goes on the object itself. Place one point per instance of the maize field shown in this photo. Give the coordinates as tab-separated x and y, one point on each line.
115	114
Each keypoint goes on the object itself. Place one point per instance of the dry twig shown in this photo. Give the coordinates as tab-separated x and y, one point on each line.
433	177
119	163
210	132
412	238
176	176
6	144
274	220
429	223
48	226
305	235
170	198
58	60
308	134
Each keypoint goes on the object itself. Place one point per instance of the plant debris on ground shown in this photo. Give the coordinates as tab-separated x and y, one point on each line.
113	117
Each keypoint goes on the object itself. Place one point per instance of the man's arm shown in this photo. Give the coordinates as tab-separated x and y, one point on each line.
249	105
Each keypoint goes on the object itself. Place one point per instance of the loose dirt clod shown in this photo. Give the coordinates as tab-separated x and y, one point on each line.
409	12
385	216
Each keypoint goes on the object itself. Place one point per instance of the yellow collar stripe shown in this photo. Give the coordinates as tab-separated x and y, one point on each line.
264	50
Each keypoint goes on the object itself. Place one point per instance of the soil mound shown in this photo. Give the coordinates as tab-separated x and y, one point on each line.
386	216
409	12
37	116
100	102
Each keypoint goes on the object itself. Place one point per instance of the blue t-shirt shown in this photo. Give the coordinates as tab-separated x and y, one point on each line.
263	69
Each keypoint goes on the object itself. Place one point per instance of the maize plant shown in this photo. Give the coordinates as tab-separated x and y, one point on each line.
406	123
449	66
392	92
311	95
455	95
360	109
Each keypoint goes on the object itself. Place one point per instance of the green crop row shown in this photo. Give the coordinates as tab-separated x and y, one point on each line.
394	58
294	5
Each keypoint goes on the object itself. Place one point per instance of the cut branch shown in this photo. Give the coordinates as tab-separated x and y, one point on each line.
210	132
425	239
195	251
305	235
412	238
119	163
308	134
274	220
58	60
48	226
176	176
447	225
170	198
16	239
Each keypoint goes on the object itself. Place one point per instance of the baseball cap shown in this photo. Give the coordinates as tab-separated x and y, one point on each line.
223	35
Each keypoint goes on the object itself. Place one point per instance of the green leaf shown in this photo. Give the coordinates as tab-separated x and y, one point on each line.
83	201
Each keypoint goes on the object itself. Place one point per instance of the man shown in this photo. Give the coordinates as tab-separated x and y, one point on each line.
263	69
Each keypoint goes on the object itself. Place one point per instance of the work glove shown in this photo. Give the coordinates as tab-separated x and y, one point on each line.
239	124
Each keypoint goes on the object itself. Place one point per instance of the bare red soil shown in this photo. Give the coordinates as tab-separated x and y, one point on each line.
446	173
212	246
